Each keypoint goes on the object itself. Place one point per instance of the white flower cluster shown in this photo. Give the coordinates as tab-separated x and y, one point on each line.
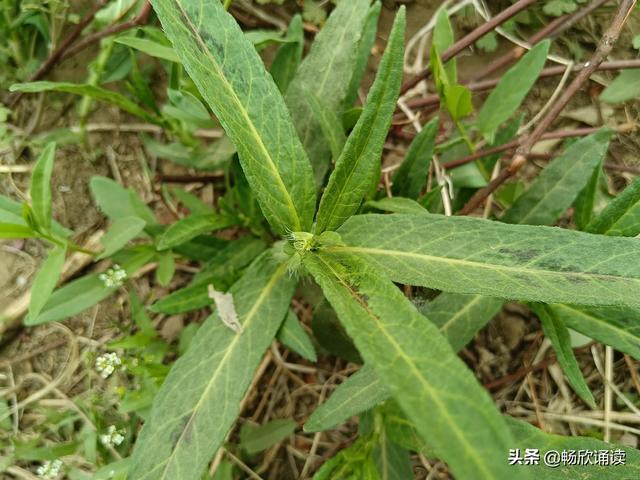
49	470
114	277
113	436
107	363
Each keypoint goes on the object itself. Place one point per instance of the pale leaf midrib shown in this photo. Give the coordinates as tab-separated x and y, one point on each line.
248	122
612	328
222	363
409	361
460	313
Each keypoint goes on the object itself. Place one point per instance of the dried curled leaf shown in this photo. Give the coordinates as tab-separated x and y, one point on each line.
226	309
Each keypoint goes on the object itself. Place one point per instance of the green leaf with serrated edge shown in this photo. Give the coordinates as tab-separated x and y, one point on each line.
622	216
217	271
330	124
40	190
121	232
294	337
289	55
583	205
232	79
615	326
149	47
558	334
396	205
12	230
200	399
254	439
359	164
469	255
504	100
46	280
411	177
560	182
116	202
365	45
417	365
91	91
190	227
361	391
442	39
81	294
459	317
626	86
528	436
326	70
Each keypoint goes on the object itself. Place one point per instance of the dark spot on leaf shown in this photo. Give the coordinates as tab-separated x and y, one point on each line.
178	431
520	255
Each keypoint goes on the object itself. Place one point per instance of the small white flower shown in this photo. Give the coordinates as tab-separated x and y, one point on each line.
49	470
113	436
107	363
113	277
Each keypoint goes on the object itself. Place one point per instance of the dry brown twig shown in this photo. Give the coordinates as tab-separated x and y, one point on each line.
527	142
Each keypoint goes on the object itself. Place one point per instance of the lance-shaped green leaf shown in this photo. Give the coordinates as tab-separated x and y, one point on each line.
116	201
46	280
459	317
412	174
330	124
584	203
528	436
396	205
150	47
443	38
231	77
615	326
366	43
200	399
417	366
121	232
513	87
326	70
190	227
289	55
622	216
360	392
293	336
559	183
254	439
40	190
91	91
359	164
558	334
469	255
12	230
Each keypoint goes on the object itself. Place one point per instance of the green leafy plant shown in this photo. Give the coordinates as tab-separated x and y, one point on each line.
304	187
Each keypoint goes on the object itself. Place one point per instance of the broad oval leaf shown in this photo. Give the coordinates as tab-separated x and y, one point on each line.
116	202
232	79
418	366
40	190
560	182
359	164
190	227
622	216
46	280
468	255
327	71
200	399
121	232
514	85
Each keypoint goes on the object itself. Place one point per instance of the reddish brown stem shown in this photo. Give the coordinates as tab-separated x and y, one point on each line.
467	40
526	143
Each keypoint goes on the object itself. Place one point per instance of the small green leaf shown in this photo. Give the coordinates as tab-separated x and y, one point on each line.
560	182
442	39
359	164
513	87
166	267
40	190
458	101
396	205
289	55
149	47
622	216
91	91
45	281
255	439
295	338
411	177
556	331
116	201
11	230
200	399
626	86
190	227
122	231
330	124
585	201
